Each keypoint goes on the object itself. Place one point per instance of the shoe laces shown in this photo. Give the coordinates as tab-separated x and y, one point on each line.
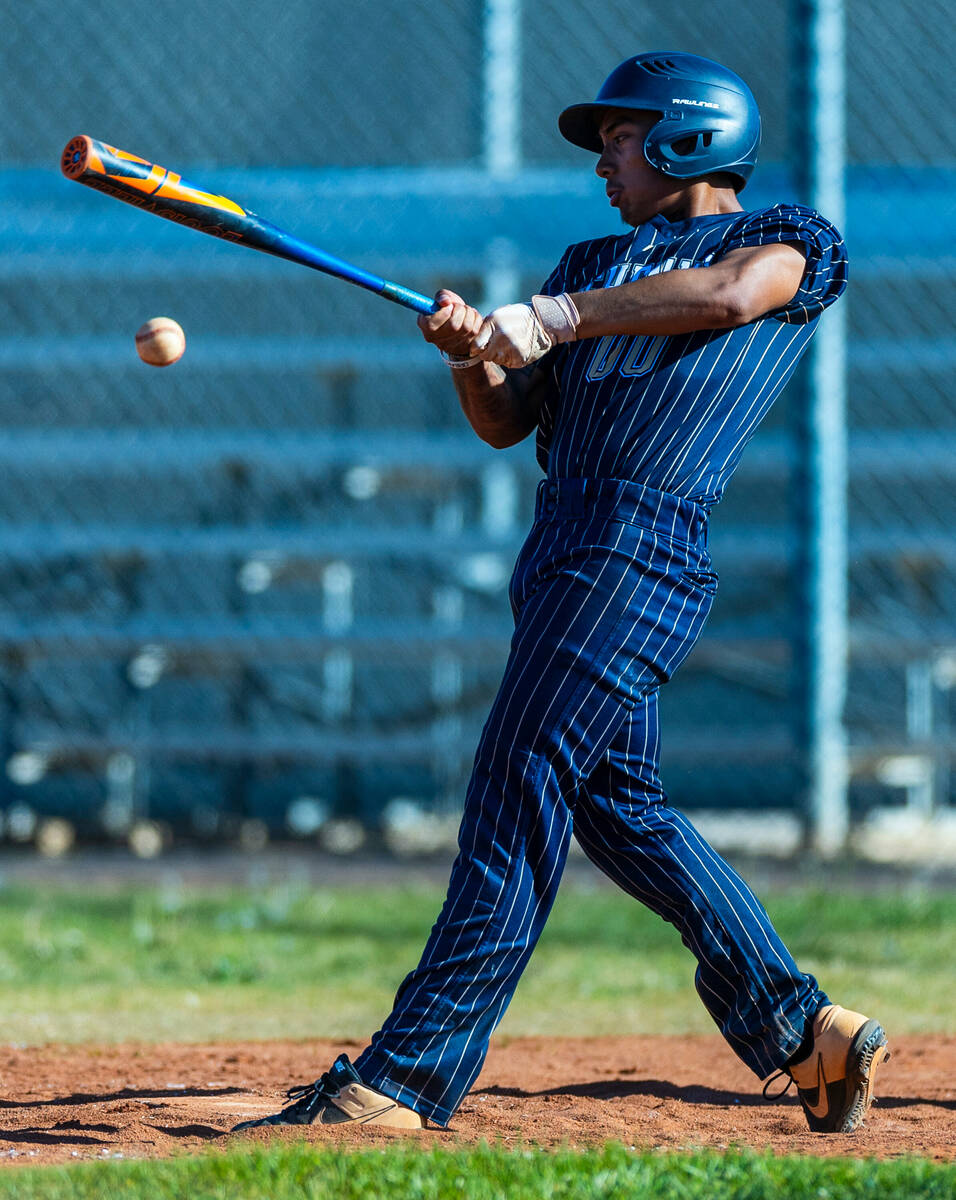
323	1087
783	1091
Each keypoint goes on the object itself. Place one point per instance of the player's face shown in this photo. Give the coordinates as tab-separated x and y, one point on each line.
638	190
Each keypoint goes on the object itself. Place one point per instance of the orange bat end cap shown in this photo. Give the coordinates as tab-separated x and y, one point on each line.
76	156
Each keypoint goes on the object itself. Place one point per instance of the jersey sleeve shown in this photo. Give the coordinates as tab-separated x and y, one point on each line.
825	275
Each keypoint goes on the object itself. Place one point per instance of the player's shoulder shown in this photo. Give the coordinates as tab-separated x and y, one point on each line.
826	272
777	222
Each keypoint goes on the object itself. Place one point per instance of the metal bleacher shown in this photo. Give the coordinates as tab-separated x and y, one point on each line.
279	569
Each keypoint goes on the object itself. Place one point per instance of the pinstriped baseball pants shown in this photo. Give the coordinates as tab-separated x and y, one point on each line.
610	592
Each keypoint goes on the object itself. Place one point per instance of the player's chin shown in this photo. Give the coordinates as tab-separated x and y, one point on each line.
635	214
625	210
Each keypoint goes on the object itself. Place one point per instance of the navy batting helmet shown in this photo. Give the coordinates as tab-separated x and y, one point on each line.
709	119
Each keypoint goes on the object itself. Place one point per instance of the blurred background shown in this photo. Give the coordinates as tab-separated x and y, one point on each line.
261	595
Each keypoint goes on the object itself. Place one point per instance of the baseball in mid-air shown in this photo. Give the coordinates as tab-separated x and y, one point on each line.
160	341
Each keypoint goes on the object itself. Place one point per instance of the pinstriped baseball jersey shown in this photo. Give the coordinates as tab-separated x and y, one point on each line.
675	412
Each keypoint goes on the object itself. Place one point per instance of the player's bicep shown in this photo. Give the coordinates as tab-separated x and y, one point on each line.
762	278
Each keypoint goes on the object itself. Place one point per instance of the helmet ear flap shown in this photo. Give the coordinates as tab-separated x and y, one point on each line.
692	144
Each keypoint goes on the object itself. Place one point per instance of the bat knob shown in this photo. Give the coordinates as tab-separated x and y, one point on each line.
76	156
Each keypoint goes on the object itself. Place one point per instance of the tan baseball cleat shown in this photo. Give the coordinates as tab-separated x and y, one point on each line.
835	1081
339	1098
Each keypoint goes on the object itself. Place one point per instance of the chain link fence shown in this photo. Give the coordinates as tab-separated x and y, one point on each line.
901	150
262	593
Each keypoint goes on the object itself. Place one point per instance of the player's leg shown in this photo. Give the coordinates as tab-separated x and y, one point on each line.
557	707
769	1011
584	643
745	976
603	609
512	846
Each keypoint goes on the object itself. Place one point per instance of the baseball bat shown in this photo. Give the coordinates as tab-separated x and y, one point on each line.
143	184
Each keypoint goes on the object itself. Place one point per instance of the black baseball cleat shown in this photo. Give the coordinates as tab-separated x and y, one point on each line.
835	1081
339	1098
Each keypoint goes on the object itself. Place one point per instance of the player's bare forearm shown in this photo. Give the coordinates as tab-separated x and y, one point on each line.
735	290
499	404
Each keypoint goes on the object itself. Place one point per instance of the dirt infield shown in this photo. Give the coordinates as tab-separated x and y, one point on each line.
62	1104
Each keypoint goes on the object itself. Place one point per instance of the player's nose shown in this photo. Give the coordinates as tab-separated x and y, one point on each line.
603	166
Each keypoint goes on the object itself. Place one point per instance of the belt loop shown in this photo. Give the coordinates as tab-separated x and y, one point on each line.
700	526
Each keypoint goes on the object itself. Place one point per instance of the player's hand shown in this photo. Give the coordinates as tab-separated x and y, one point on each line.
519	334
453	327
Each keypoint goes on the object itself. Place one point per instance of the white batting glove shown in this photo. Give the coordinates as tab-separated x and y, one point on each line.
517	335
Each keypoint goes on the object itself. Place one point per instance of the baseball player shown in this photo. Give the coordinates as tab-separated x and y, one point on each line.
643	367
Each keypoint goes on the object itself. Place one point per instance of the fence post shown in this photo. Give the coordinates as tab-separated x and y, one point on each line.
501	86
823	645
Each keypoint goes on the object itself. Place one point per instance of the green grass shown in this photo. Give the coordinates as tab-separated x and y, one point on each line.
120	964
131	964
405	1173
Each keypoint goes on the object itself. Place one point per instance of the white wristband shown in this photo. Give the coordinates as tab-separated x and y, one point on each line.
458	362
558	317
